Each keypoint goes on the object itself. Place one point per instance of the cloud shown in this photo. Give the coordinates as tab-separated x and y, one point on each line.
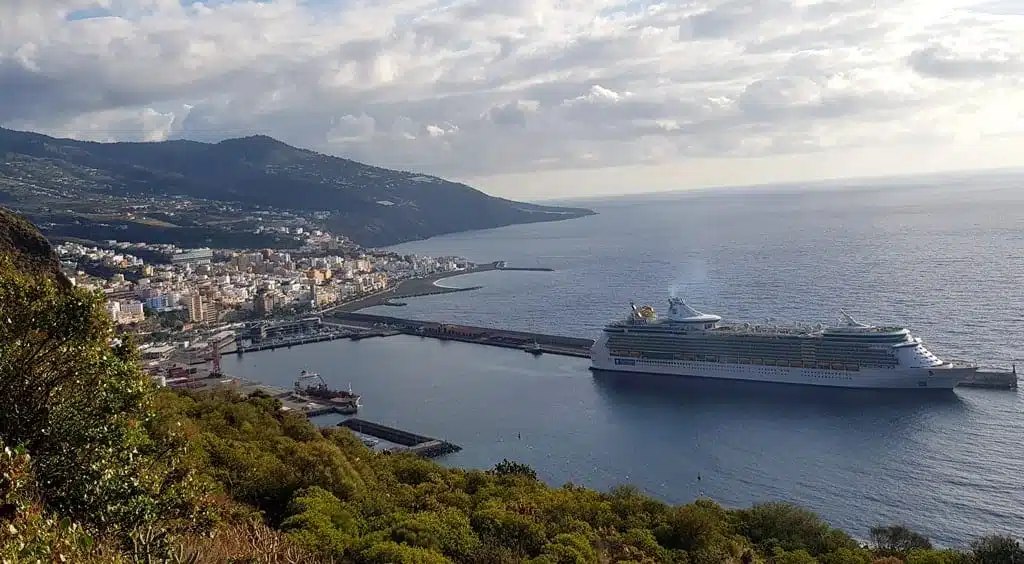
478	88
943	62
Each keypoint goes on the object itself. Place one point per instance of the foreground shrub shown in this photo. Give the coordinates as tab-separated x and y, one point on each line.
76	401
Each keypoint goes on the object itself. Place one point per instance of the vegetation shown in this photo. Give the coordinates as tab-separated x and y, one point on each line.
96	465
27	249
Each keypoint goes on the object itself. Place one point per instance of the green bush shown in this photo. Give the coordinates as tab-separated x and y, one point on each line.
76	400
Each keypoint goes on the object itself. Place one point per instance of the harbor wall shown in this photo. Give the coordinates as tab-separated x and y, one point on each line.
417	444
993	379
467	332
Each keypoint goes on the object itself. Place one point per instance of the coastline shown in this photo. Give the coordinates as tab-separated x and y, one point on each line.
419	287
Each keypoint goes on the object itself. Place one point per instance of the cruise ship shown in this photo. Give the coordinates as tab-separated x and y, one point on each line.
686	342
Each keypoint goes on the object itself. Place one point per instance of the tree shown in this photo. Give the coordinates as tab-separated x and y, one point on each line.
922	556
780	556
997	549
509	468
898	539
791	528
77	402
318	519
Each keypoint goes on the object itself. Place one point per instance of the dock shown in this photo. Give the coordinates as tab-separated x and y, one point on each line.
401	441
992	378
536	343
290	401
296	340
204	379
289	342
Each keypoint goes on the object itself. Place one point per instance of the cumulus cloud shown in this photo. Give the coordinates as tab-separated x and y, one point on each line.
473	88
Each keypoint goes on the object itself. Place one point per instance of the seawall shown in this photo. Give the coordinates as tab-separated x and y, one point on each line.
536	342
404	440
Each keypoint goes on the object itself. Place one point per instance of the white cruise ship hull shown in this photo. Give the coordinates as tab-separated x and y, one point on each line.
868	378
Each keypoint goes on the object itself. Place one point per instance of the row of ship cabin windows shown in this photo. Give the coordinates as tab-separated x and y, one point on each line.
774	348
754	361
677	352
720	345
832	375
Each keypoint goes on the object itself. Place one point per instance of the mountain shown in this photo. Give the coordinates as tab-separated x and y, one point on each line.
27	248
371	205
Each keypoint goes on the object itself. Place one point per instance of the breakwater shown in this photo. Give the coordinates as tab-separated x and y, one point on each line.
305	339
288	342
403	441
532	342
525	268
992	378
425	286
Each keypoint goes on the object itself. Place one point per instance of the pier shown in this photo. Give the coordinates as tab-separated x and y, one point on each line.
314	338
290	342
401	441
992	378
290	401
269	335
537	343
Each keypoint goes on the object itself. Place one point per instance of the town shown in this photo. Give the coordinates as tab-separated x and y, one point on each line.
187	306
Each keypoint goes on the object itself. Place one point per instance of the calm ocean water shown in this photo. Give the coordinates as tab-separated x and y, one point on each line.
944	259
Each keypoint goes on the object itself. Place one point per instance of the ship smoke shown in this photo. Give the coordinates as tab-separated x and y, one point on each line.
690	275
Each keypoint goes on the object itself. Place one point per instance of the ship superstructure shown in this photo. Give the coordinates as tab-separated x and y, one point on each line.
687	342
345	400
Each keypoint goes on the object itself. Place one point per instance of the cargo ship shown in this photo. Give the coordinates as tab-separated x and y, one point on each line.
321	392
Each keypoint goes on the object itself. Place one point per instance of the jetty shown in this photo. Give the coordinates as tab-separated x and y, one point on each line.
992	378
269	335
536	343
399	440
290	342
287	342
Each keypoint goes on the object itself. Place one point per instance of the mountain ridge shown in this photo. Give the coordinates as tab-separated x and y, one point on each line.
372	205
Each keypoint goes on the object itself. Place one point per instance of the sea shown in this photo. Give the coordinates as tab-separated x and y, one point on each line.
943	256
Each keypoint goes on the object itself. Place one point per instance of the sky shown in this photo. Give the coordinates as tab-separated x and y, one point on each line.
539	99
